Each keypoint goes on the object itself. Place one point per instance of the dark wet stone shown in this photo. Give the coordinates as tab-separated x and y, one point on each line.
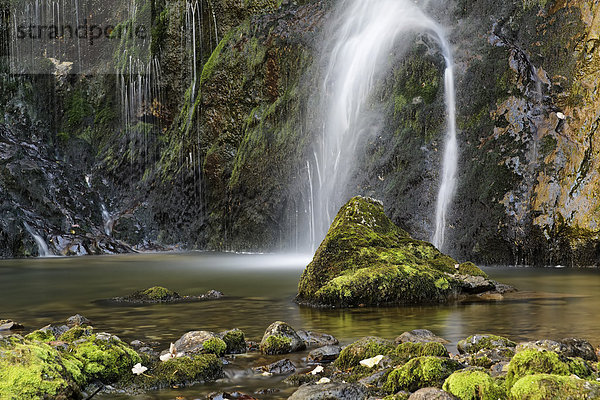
579	348
471	284
267	391
9	324
324	354
329	391
431	394
280	367
77	320
374	380
419	336
316	339
232	395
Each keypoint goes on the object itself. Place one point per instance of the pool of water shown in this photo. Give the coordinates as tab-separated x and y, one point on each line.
260	289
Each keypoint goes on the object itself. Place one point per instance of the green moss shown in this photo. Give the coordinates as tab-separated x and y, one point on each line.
473	385
235	341
215	346
158	293
408	350
34	370
468	268
474	343
530	362
77	109
105	357
362	349
76	333
182	371
41	335
213	60
420	372
277	344
550	387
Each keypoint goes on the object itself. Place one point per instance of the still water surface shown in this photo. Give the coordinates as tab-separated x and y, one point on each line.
260	289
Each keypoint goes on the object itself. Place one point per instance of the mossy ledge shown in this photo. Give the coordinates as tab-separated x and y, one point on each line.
366	259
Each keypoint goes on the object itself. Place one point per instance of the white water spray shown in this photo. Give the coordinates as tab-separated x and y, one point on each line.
43	249
364	37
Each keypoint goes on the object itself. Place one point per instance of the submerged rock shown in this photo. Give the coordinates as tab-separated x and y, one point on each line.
281	338
159	294
367	260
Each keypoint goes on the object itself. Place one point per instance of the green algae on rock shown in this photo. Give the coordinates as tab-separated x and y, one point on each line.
362	349
421	372
366	259
546	387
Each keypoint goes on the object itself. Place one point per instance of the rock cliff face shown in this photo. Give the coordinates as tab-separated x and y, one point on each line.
223	164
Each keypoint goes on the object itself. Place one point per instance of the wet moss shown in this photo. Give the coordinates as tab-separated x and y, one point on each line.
420	372
362	349
181	371
235	341
468	268
276	344
547	387
215	346
34	370
473	385
530	362
75	333
157	293
475	343
41	335
104	357
409	350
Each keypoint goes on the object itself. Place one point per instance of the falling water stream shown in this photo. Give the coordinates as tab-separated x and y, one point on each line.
366	33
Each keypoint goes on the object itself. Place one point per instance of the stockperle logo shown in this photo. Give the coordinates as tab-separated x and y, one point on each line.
76	36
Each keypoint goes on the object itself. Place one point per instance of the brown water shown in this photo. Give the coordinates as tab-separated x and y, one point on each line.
260	290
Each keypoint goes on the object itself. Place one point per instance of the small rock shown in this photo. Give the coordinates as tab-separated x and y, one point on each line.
193	342
267	391
474	284
280	367
136	344
213	294
579	348
420	336
235	341
329	391
473	344
281	338
9	324
543	345
431	394
499	370
232	395
77	320
324	354
316	339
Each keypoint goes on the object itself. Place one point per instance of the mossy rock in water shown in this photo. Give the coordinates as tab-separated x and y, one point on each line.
181	371
155	293
366	259
235	341
104	357
473	385
531	362
550	387
474	343
281	338
469	268
408	350
35	370
362	349
421	372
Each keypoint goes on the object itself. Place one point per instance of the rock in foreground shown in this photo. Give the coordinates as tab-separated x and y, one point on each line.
367	260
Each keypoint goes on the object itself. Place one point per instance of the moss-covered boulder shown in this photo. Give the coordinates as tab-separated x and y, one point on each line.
475	343
367	260
549	387
421	372
159	294
201	342
473	385
531	362
408	350
34	370
185	370
234	340
281	338
362	349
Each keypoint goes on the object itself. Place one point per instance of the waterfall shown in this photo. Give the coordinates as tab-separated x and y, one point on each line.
42	246
356	50
449	162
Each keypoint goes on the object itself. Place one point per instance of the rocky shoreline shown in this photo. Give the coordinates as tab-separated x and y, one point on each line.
75	361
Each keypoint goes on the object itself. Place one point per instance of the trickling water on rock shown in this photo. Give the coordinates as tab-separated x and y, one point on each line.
41	243
364	35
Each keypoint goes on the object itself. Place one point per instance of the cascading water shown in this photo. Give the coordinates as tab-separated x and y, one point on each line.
364	37
43	249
